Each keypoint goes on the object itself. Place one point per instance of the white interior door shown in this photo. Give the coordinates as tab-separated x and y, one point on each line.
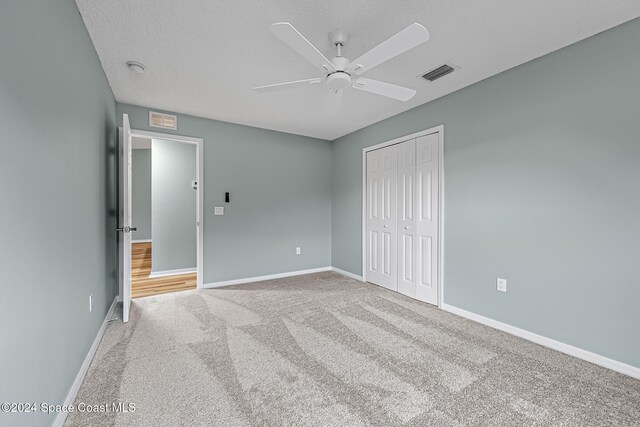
381	238
125	228
427	161
407	218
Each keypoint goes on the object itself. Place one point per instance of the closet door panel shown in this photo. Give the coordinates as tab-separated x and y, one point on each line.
381	215
406	159
427	161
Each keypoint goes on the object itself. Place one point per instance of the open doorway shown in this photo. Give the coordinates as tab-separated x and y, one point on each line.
164	189
162	247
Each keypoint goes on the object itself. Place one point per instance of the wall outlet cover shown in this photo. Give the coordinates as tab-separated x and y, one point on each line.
298	251
218	210
501	285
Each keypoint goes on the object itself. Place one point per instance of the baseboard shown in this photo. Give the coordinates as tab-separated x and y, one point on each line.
346	273
73	391
141	241
594	358
172	272
261	278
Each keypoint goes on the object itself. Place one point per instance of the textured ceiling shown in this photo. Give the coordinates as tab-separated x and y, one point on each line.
203	57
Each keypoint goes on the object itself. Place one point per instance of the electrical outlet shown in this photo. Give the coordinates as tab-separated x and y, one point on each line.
90	303
501	285
298	251
218	210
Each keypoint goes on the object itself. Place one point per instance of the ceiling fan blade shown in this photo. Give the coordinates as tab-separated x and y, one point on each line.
288	34
410	37
287	85
385	89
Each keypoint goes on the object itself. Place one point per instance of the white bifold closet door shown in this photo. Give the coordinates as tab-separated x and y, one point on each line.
402	217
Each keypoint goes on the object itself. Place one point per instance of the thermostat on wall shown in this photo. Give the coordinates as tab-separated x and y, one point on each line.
218	210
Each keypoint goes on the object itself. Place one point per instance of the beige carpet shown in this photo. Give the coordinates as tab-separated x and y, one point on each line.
325	350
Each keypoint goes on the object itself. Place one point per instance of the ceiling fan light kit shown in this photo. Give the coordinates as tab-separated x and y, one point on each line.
340	72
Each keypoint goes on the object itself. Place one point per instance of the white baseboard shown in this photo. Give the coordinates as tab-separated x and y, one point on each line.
594	358
141	241
261	278
172	272
73	391
346	273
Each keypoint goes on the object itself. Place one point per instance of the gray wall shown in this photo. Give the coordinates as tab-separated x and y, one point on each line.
57	186
280	187
141	193
542	175
174	206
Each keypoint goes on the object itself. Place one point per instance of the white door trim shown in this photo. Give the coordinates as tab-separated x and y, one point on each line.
436	129
198	142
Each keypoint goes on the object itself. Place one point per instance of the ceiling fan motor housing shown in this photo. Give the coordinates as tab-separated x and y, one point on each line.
340	62
339	79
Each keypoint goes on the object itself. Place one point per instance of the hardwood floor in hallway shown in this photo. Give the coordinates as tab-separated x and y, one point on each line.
143	286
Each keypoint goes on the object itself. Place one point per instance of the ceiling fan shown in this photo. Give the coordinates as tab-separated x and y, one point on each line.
340	73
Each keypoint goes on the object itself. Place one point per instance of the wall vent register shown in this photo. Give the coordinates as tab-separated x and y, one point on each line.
163	121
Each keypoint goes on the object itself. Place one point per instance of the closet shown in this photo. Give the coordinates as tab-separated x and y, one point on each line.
402	214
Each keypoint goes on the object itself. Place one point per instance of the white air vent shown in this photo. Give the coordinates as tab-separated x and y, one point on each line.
164	121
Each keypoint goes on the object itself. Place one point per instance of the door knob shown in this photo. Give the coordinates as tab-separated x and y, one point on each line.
386	226
126	229
406	227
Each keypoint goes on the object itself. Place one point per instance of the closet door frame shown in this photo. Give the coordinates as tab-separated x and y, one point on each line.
440	131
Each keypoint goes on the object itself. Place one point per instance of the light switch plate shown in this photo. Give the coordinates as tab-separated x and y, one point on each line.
218	210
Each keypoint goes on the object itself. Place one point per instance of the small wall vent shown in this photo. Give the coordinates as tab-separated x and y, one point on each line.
163	121
439	72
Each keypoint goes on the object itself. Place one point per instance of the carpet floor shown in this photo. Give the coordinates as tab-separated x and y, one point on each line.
326	350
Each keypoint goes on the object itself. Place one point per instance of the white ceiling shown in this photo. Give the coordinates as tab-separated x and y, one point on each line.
203	57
